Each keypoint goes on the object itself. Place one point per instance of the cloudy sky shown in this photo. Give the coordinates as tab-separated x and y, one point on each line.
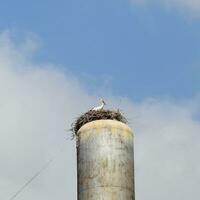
57	58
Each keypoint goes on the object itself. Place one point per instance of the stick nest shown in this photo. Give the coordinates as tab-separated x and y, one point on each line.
93	115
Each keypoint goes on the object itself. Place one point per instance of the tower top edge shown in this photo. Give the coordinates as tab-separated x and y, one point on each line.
105	123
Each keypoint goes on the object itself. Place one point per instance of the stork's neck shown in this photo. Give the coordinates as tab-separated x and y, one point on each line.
102	104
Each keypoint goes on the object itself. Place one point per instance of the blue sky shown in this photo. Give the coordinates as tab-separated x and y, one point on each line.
128	49
58	57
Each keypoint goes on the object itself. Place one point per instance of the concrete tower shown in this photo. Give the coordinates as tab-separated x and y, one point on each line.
105	161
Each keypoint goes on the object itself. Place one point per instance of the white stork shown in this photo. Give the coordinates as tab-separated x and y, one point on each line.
101	106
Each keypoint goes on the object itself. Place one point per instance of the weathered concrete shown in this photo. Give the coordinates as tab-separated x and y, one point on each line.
105	161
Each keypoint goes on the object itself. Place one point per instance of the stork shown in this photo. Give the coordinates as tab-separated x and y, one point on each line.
100	107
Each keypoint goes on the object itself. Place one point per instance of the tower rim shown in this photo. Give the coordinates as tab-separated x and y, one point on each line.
105	123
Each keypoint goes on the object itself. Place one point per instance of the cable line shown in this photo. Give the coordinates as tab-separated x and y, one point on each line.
33	178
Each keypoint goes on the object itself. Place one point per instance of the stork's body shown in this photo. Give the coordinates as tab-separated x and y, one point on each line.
100	107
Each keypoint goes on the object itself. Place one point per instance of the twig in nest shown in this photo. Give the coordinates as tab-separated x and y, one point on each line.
96	115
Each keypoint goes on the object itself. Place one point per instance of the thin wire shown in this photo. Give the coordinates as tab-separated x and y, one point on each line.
33	178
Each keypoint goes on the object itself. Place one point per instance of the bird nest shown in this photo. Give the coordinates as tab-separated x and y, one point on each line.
93	115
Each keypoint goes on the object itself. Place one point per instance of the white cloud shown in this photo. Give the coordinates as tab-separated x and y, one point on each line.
36	101
167	146
190	6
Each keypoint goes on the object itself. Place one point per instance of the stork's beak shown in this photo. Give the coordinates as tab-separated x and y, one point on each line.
104	102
